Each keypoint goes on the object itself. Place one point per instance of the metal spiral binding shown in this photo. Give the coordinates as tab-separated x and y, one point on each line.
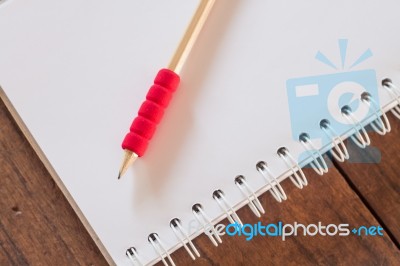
276	189
248	192
133	256
361	137
318	163
380	126
205	221
158	246
226	207
180	233
339	150
298	180
394	92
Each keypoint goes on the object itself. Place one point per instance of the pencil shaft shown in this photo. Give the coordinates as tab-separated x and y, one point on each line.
134	144
191	34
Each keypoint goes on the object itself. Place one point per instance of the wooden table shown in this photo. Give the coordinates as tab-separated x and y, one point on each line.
39	227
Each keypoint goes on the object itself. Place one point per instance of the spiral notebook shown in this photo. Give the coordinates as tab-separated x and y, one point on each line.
267	88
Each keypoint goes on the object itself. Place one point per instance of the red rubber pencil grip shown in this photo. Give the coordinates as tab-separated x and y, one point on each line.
151	112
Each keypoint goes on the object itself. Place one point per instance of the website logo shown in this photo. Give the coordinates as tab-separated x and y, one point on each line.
324	97
283	230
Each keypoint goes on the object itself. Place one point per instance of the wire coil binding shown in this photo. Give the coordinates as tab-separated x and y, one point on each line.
394	92
378	125
297	177
248	192
318	163
276	189
159	247
226	207
180	233
133	256
360	137
205	221
339	150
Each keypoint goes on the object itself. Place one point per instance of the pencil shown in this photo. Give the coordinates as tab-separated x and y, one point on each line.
159	95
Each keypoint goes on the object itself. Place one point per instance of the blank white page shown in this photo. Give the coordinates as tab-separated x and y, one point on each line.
77	71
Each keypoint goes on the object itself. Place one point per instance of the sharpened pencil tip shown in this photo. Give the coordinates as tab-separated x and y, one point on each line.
129	158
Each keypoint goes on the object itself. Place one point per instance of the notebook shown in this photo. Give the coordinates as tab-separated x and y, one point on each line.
73	73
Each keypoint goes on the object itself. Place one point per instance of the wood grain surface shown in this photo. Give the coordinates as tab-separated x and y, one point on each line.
39	227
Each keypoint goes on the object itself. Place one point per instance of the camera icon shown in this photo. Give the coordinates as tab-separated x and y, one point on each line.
314	98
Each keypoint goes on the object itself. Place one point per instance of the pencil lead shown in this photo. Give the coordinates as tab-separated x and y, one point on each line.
129	158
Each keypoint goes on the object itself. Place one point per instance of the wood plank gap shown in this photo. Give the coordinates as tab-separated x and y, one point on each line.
365	202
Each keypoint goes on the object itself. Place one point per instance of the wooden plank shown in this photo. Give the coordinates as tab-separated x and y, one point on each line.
378	184
37	225
328	199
